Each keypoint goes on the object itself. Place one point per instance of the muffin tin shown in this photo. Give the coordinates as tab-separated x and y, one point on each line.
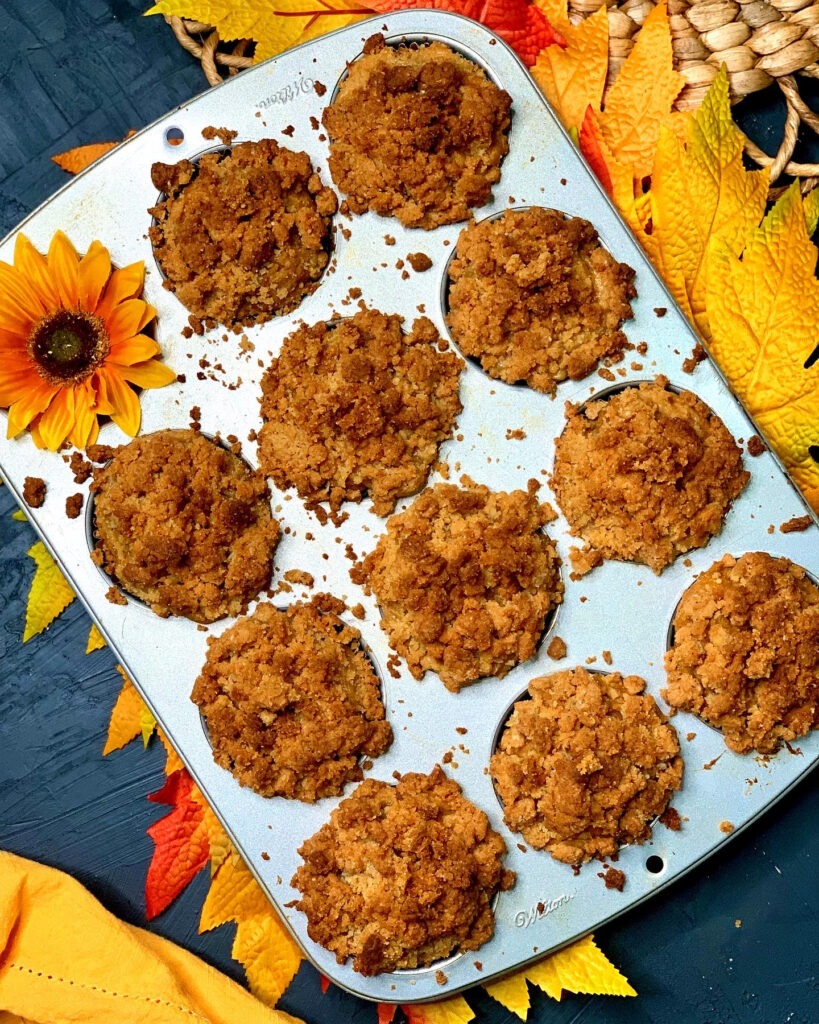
621	609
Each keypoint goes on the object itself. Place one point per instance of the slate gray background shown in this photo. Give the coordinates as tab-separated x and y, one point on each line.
87	71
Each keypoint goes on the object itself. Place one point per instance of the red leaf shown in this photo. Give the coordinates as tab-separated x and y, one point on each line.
519	22
386	1013
181	846
325	984
591	149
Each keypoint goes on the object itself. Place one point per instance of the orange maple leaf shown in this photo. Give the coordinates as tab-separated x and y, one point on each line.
180	844
591	147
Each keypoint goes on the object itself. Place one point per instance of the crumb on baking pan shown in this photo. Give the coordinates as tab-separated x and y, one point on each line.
756	446
402	876
358	407
745	657
184	525
536	298
212	239
645	476
417	132
465	578
419	261
34	491
697	356
292	701
73	506
557	648
796	525
582	792
613	878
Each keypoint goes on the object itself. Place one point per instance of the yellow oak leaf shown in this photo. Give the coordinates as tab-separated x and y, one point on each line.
639	101
700	191
76	160
274	26
125	723
763	307
50	593
448	1011
19	515
96	641
572	79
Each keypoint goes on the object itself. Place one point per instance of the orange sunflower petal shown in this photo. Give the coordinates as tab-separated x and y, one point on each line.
57	422
16	379
19	305
151	374
63	262
34	267
133	350
85	426
128	318
93	272
123	284
35	401
12	342
125	408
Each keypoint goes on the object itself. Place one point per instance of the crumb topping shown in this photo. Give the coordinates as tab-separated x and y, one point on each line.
402	876
465	578
292	702
184	525
358	407
418	133
644	476
745	656
535	297
586	764
244	235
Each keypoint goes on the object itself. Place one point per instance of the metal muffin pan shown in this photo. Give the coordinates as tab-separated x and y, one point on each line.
620	608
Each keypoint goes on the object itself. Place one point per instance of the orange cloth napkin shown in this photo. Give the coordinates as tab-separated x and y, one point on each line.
64	958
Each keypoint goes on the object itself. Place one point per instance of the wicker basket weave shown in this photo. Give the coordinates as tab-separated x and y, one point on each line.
761	42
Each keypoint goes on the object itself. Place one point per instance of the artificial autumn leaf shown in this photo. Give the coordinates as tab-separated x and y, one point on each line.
19	515
173	762
386	1013
700	192
518	22
96	641
50	593
811	206
274	26
180	844
590	143
639	101
448	1011
125	723
234	894
763	308
573	78
268	954
218	841
76	160
147	724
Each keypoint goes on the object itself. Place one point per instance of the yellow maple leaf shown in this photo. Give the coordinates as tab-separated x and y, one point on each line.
125	723
234	893
811	205
96	641
700	191
513	993
447	1011
572	79
50	593
218	841
639	101
763	307
274	26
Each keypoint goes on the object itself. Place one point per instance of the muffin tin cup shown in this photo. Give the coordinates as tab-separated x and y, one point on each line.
621	608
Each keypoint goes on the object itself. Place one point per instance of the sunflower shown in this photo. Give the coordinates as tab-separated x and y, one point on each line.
70	343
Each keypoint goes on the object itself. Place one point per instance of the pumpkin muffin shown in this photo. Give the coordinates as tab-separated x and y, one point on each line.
358	407
535	297
184	525
465	578
242	235
645	475
586	764
417	133
292	702
402	876
745	656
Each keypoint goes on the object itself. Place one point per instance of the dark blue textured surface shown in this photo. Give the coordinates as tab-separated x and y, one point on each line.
87	71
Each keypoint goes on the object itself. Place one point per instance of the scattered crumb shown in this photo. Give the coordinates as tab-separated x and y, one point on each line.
607	657
671	819
690	736
34	491
80	467
265	855
358	611
756	446
73	506
557	648
419	261
726	827
613	878
659	311
693	361
224	135
515	435
796	525
441	978
319	88
300	578
115	596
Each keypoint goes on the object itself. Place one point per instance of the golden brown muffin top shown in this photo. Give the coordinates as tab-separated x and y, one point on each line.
536	298
586	764
745	656
291	700
243	235
416	132
358	407
402	876
645	475
465	578
184	525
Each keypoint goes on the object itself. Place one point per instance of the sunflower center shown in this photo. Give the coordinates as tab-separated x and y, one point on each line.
68	345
